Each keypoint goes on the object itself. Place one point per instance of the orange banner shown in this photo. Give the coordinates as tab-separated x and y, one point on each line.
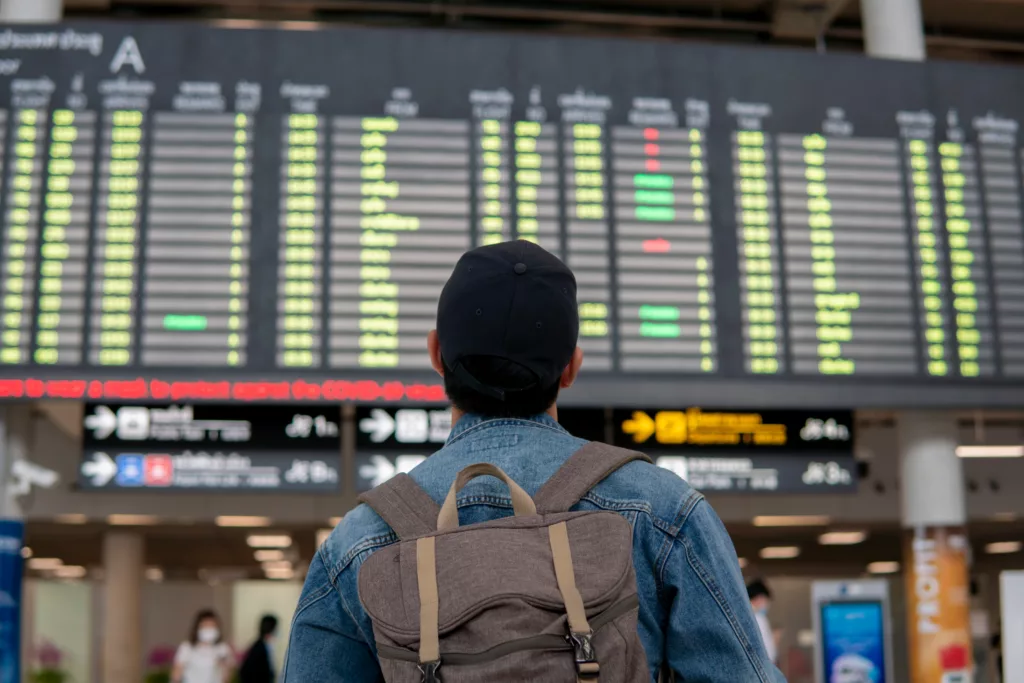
939	605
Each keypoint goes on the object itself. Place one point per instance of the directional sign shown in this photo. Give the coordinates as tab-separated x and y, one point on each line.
764	474
99	469
406	428
379	426
402	428
769	451
373	469
211	470
213	425
102	422
211	447
640	426
709	430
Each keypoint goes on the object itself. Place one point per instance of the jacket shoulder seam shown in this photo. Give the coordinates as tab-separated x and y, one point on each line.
319	594
686	508
362	546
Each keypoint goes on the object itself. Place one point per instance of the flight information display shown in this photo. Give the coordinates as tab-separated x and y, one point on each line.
212	206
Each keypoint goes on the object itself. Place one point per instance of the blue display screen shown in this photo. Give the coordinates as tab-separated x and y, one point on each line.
853	637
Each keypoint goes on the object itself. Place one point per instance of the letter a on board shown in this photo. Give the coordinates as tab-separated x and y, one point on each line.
128	53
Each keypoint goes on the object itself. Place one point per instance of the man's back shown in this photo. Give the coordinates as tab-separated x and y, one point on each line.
694	615
256	667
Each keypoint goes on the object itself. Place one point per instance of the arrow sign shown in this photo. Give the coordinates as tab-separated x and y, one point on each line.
103	423
380	425
380	469
100	469
640	427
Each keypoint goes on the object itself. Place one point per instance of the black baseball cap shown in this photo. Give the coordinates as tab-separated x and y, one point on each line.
512	301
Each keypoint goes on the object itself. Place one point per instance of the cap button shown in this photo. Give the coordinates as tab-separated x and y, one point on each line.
520	268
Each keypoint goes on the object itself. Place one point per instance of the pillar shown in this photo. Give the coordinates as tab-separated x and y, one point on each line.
893	29
31	11
123	566
936	550
931	476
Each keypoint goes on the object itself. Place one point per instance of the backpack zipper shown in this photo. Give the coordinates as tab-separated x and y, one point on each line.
548	642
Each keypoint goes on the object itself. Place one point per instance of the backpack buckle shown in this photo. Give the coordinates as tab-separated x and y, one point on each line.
431	672
586	659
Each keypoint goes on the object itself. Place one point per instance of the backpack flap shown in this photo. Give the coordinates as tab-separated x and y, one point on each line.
496	581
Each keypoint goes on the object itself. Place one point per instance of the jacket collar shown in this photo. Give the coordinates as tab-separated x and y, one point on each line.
471	420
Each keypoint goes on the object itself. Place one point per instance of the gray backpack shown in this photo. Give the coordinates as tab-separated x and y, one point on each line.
545	596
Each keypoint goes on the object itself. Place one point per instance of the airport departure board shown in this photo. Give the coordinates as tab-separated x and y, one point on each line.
279	209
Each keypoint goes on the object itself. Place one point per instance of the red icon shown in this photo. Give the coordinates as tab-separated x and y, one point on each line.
953	658
651	133
657	246
652	150
159	470
653	165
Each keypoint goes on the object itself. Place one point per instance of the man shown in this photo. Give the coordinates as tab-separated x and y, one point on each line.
760	601
258	666
505	344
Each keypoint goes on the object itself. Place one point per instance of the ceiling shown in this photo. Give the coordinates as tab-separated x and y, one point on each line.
956	29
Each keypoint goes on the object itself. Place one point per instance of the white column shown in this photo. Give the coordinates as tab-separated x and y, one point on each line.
893	29
931	476
123	566
31	11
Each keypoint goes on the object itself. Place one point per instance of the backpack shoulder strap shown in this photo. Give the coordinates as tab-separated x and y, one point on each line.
406	507
584	470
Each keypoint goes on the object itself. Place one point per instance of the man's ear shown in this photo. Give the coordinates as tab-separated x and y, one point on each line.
434	349
572	369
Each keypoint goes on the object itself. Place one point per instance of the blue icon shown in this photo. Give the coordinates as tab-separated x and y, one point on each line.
130	471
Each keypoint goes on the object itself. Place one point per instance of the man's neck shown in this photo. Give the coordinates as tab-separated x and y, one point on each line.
458	414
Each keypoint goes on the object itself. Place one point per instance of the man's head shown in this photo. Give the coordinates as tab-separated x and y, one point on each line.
760	596
507	325
268	626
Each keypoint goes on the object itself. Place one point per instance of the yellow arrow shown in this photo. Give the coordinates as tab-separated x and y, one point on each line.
641	427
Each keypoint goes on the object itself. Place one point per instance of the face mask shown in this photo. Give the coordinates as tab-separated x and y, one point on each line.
208	635
763	611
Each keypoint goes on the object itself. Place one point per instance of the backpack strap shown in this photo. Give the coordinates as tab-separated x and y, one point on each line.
584	470
406	507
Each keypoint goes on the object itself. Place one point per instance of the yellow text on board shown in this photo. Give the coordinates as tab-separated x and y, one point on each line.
697	428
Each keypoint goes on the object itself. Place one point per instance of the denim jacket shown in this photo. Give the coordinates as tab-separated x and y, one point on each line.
694	614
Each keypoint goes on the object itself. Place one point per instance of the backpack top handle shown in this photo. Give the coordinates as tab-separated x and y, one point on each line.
521	501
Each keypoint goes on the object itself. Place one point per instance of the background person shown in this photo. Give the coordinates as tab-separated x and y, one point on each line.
204	657
258	665
761	601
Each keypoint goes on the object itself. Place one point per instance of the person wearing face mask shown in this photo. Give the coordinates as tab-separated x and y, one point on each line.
204	657
258	665
761	600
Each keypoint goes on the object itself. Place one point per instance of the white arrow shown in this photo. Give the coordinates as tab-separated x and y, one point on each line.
102	423
378	471
380	468
380	425
101	469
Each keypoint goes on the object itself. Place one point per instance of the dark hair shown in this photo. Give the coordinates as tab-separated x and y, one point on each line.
503	374
268	624
757	589
202	616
